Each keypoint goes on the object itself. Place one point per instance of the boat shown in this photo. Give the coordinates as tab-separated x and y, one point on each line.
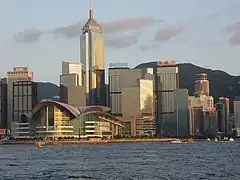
231	139
208	139
39	145
216	139
176	141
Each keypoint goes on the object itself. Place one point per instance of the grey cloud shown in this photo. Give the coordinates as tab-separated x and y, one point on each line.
28	36
128	24
162	35
70	31
120	25
122	41
234	30
165	34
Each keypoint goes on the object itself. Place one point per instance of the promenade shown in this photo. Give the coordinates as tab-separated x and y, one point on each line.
100	141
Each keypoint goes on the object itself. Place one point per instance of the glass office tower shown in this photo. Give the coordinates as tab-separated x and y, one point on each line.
92	57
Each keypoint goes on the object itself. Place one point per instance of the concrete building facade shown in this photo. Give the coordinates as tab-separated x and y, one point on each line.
24	99
18	74
201	85
72	89
120	78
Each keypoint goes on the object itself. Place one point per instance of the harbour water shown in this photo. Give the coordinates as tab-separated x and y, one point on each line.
122	161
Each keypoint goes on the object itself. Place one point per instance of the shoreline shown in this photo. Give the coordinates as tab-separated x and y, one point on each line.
97	141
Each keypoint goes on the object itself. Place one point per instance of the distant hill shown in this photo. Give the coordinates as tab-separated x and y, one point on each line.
47	90
221	83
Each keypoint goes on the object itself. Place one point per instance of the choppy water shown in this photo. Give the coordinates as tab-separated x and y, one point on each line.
149	161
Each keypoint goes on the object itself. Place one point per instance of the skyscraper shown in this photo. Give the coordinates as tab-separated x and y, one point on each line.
18	74
201	85
92	57
72	90
166	81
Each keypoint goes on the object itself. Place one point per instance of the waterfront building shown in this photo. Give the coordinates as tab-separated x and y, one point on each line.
72	90
222	109
18	74
120	77
137	101
92	57
3	103
24	99
202	116
166	81
201	84
237	114
57	119
178	126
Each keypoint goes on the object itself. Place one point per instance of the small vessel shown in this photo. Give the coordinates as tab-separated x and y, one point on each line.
216	139
177	141
208	139
231	139
39	145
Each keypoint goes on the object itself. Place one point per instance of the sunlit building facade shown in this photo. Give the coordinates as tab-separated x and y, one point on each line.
237	114
124	77
72	90
92	57
18	74
201	85
56	119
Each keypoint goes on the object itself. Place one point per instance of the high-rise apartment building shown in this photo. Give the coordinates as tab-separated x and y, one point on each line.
166	81
121	77
72	90
18	74
201	84
92	57
3	103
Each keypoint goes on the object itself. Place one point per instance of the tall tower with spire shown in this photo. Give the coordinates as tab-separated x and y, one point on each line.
92	57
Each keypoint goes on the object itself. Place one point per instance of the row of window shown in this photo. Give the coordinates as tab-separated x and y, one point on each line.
22	103
22	90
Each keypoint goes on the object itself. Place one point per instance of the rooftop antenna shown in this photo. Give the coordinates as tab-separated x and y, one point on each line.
90	10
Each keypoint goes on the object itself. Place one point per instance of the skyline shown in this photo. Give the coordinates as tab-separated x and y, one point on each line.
131	35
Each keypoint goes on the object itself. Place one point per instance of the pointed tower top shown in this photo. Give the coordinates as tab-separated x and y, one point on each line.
90	10
91	24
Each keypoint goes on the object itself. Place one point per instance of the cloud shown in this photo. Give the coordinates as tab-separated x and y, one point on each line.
124	24
28	36
234	30
165	34
116	28
128	23
122	41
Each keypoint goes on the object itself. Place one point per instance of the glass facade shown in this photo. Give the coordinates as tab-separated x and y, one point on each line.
166	81
92	56
24	98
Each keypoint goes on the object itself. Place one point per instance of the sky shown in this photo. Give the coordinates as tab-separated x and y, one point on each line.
42	34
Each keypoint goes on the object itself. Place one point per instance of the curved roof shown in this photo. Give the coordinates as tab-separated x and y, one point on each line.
73	110
93	108
104	114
